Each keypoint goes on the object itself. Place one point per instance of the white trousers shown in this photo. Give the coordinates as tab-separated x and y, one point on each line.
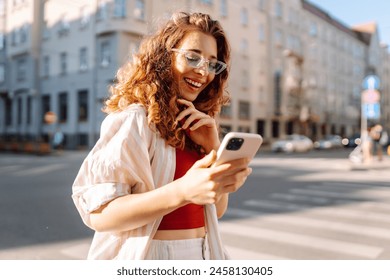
185	249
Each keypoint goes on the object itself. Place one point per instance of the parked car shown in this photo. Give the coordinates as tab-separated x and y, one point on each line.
293	143
351	142
329	142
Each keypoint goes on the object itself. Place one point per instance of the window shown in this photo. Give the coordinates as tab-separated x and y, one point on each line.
120	8
244	129
46	66
313	31
139	12
261	5
20	110
23	33
245	79
21	70
8	111
63	63
84	17
101	13
64	26
83	139
244	17
261	33
226	111
83	59
244	110
105	54
2	7
277	93
63	107
223	8
244	47
83	105
2	40
2	73
29	109
278	9
46	31
278	38
14	37
45	105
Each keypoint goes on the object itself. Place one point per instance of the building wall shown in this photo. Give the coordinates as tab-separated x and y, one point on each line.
294	68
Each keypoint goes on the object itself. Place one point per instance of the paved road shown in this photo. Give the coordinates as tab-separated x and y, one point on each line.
325	209
309	206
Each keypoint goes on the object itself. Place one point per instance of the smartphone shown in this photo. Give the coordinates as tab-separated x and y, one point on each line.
237	145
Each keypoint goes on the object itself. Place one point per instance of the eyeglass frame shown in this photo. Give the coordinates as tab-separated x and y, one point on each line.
202	61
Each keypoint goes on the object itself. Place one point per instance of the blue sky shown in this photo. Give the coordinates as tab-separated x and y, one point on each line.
351	12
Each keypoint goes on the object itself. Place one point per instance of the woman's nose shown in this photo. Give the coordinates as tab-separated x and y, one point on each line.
203	68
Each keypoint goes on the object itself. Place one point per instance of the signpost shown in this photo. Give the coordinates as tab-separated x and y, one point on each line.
370	108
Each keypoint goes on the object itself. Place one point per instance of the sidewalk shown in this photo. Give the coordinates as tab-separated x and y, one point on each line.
373	164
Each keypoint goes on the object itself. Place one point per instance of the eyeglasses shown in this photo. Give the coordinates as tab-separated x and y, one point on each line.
195	60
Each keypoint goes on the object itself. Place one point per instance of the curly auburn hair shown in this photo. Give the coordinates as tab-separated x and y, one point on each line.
148	79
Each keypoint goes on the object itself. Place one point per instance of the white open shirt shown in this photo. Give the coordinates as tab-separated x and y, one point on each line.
129	157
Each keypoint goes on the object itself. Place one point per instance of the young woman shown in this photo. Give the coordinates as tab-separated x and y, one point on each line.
147	187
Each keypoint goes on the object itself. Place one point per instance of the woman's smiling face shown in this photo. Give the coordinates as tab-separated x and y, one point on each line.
192	81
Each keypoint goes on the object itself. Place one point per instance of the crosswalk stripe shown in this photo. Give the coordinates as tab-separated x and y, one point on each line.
383	206
314	223
318	243
372	192
331	210
241	254
383	187
298	197
376	205
42	169
364	195
9	168
241	213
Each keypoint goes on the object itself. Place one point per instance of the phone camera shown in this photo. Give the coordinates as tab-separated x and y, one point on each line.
235	144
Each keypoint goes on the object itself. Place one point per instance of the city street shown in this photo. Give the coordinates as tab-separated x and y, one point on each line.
307	206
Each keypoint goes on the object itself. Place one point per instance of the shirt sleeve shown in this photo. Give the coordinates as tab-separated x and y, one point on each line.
118	165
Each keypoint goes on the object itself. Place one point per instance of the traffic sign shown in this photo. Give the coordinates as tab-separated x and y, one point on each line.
370	96
371	82
371	111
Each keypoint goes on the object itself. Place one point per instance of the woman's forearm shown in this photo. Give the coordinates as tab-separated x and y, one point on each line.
132	211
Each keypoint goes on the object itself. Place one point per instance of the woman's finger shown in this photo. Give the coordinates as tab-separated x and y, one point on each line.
186	102
203	122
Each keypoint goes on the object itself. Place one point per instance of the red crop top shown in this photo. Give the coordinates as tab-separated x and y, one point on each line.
190	215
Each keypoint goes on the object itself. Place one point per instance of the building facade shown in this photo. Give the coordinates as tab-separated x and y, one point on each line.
295	69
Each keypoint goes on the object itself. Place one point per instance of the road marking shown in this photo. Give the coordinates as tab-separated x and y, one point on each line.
297	197
332	211
41	170
10	168
356	195
241	254
314	223
356	185
367	192
78	251
301	240
383	206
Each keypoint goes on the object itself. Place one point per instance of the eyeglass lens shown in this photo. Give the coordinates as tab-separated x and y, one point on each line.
196	60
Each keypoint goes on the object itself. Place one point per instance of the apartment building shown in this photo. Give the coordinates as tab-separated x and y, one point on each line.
294	67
